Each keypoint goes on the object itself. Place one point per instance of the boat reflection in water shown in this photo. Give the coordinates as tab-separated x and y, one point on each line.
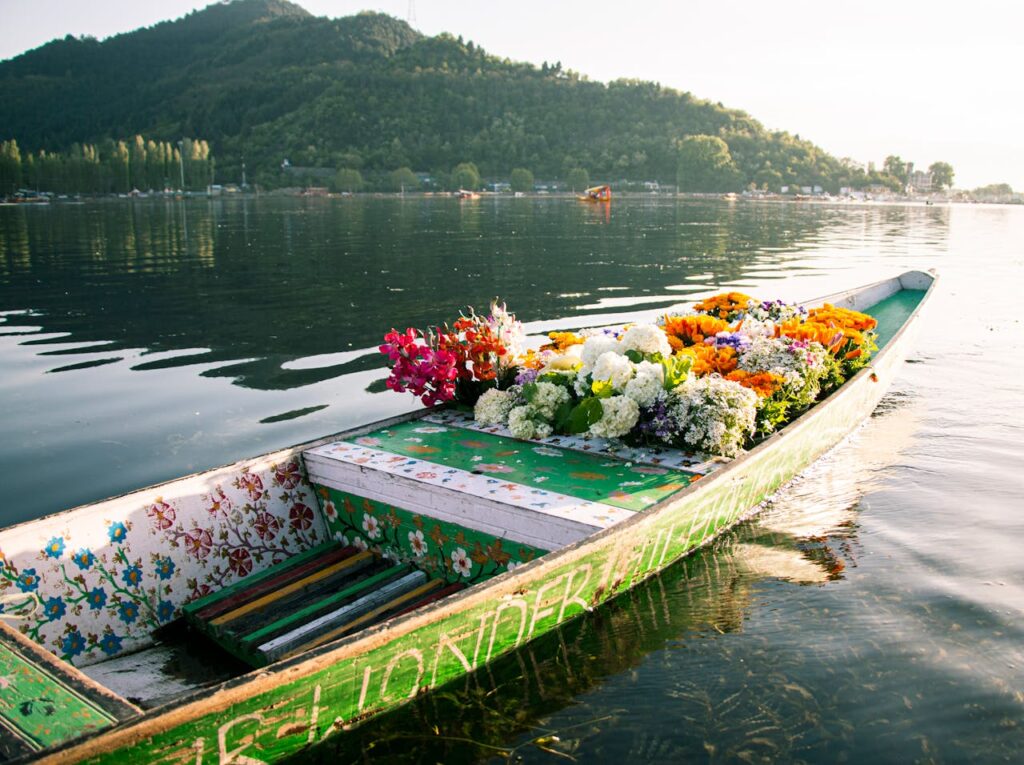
806	537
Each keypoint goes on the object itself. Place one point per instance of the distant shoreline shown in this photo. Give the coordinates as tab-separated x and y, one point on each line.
46	199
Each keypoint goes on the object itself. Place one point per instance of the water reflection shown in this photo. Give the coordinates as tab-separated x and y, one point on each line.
694	647
278	280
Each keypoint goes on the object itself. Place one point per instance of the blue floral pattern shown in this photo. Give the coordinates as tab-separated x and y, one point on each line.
94	583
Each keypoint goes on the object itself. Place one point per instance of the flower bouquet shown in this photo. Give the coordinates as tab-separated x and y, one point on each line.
714	380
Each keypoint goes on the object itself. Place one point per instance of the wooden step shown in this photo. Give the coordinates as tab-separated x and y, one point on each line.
373	606
251	587
296	596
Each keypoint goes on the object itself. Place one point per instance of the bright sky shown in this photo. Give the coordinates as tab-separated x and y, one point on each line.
921	79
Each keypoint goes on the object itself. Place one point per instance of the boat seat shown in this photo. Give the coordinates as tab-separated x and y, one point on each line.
309	600
542	495
45	701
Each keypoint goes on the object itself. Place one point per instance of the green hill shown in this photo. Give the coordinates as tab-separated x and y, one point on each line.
265	80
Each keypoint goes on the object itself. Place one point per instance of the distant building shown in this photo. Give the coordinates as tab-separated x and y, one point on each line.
919	182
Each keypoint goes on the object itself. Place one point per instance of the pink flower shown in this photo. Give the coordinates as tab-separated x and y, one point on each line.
198	543
217	502
252	484
161	514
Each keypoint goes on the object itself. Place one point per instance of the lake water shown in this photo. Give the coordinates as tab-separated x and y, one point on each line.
874	613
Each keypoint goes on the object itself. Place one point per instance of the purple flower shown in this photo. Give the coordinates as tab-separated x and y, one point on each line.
526	376
735	340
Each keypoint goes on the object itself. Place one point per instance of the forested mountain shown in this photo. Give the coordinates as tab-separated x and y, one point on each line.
265	80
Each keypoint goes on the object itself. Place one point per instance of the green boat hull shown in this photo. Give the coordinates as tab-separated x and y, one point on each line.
271	714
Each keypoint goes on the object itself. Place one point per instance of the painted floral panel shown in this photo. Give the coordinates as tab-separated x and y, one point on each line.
444	550
95	582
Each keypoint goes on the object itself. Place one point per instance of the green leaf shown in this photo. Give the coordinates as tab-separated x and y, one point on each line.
585	414
557	378
677	369
602	388
634	355
562	415
529	391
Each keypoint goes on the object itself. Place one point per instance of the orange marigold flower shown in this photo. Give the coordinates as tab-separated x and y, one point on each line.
725	306
764	384
691	330
843	318
707	359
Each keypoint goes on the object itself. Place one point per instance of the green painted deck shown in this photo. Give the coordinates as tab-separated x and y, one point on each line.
589	477
45	702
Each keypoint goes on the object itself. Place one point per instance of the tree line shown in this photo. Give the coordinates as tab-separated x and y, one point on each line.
108	167
361	98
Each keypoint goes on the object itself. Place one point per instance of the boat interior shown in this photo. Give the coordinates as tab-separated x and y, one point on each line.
139	601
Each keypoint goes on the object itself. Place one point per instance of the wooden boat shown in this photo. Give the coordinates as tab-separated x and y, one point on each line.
247	612
597	194
466	194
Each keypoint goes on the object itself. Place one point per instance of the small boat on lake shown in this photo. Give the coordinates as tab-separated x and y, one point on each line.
597	194
466	194
245	613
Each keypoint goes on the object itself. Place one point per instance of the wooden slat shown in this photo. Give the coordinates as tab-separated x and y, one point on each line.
276	576
451	589
243	584
350	563
356	590
367	618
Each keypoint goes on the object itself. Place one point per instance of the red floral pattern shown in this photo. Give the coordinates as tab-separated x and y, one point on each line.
161	514
300	516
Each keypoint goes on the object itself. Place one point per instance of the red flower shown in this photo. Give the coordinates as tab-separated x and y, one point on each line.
218	502
251	483
287	476
239	561
266	525
161	514
198	543
300	516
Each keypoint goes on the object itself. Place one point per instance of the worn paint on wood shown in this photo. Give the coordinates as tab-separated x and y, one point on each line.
43	701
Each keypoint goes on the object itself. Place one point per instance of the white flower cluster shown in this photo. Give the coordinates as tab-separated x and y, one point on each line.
713	414
613	368
522	424
594	347
645	338
774	310
548	398
647	384
493	406
526	419
620	415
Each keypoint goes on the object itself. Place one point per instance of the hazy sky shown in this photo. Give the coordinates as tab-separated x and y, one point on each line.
925	80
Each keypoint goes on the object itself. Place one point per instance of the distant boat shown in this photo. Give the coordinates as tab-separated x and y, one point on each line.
597	194
465	194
